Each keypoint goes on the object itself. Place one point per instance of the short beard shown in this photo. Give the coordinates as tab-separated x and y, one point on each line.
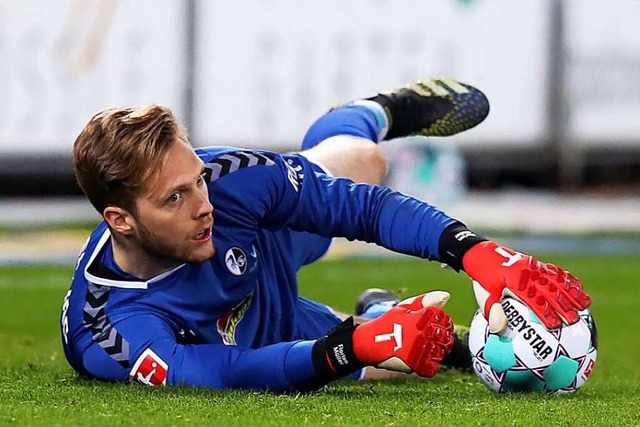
156	249
163	254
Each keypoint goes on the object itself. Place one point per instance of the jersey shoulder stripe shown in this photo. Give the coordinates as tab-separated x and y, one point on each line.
102	331
231	162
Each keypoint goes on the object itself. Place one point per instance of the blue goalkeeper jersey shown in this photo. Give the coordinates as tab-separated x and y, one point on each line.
236	320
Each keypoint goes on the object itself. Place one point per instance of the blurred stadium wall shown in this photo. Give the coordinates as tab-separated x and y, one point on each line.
563	77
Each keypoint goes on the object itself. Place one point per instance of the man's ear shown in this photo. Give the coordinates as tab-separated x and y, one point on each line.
119	220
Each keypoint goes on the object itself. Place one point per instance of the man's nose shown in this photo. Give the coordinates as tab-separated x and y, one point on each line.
204	205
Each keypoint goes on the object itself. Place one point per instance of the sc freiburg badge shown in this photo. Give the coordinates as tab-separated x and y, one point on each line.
236	261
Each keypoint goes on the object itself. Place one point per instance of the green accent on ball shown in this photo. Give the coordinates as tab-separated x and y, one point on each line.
521	382
560	373
498	352
534	318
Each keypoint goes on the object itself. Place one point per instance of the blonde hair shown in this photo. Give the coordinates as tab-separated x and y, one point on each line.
120	150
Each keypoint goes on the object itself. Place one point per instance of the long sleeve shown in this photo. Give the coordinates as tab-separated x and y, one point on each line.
288	191
156	358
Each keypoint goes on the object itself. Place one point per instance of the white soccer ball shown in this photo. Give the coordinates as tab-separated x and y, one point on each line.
528	357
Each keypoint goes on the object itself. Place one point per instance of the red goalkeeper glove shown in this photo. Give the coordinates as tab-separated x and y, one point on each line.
413	336
554	295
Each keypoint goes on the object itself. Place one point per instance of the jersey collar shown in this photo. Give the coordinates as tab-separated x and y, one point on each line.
97	273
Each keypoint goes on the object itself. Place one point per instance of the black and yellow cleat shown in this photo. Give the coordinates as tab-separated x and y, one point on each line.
432	107
373	302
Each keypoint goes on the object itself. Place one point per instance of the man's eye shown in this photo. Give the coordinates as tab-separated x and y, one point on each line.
174	198
201	179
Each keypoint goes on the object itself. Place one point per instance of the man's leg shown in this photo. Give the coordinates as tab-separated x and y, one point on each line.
344	140
344	143
360	160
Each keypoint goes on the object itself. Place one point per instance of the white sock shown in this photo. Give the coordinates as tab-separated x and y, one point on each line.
382	119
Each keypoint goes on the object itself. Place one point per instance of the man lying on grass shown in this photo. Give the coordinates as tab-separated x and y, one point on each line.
191	276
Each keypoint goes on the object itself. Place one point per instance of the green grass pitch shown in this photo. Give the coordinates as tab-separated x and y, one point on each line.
38	388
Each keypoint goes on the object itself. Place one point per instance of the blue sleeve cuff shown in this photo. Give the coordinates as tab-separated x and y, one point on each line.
299	370
298	365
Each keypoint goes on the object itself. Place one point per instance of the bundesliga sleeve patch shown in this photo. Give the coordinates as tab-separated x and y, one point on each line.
149	369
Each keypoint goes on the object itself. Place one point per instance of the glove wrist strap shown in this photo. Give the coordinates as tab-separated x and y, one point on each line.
333	355
454	242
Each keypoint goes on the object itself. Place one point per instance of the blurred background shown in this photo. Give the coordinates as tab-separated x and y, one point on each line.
555	167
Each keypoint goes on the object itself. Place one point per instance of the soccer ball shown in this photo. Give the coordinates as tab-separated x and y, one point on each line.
528	357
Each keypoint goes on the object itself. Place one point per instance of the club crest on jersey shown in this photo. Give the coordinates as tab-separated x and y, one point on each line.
228	323
149	369
236	261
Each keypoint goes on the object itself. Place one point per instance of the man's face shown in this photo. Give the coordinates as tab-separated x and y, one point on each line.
175	220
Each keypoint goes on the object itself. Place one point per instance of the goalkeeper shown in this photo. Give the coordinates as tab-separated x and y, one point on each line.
191	276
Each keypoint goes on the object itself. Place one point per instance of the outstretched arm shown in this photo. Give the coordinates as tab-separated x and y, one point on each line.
290	191
401	223
412	337
293	193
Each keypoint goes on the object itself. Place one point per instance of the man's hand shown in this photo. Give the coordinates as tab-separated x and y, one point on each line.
554	295
413	336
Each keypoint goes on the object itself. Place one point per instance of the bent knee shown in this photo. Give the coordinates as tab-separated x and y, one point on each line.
370	163
377	163
350	157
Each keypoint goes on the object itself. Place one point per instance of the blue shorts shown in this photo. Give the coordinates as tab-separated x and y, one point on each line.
314	319
288	251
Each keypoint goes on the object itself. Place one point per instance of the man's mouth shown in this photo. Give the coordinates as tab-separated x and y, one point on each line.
203	236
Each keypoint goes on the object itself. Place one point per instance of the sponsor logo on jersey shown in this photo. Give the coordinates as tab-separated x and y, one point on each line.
236	261
64	319
294	173
228	323
149	369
